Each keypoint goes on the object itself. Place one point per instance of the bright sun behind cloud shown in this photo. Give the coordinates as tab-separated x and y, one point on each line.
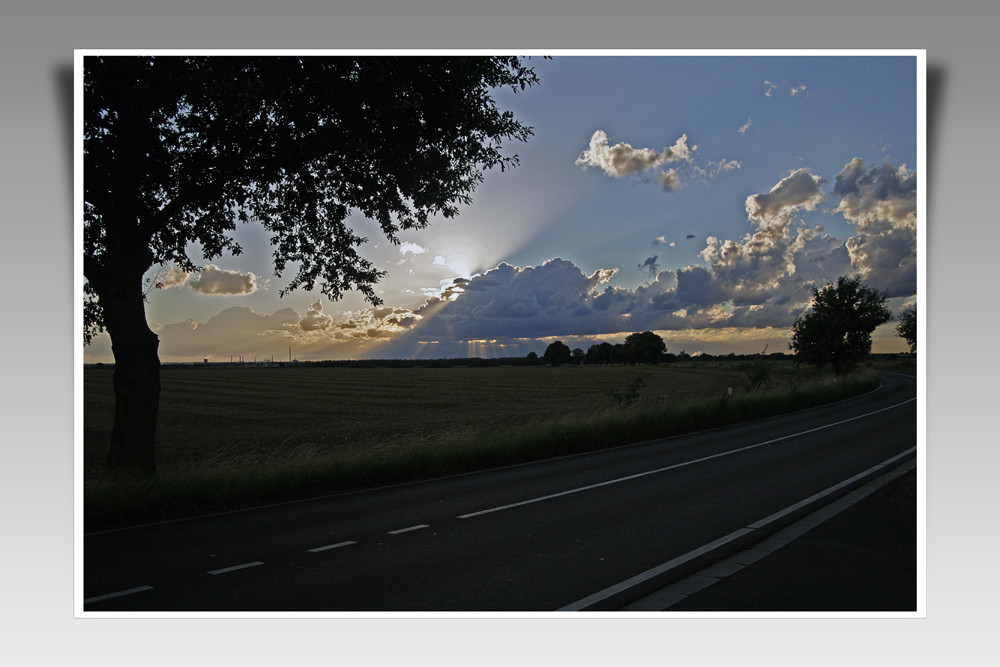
462	253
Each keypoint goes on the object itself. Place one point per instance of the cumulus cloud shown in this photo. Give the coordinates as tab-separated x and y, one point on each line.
315	319
376	322
175	277
799	190
879	198
213	280
797	90
529	301
817	257
745	126
767	275
886	261
670	180
411	248
602	276
623	159
771	87
882	202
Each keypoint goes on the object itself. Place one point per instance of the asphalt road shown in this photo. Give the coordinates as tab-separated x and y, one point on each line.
858	554
587	532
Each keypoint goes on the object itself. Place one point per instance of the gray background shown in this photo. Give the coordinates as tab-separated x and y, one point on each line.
39	339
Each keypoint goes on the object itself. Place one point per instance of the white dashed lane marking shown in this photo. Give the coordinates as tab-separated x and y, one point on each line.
332	546
243	566
406	530
118	594
236	567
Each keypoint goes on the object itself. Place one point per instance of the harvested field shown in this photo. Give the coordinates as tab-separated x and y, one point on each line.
222	415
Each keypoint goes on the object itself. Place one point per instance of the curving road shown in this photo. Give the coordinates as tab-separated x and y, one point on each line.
587	532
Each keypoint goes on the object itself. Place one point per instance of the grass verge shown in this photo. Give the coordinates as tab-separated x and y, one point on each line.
112	502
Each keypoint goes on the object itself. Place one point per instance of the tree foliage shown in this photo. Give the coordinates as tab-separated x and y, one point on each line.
644	348
907	327
179	150
638	348
557	353
600	353
838	329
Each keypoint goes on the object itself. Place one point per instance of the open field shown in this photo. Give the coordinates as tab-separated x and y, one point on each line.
225	415
231	436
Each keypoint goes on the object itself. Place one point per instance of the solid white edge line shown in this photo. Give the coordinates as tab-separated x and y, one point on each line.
671	564
665	598
836	487
118	594
331	546
678	465
659	569
235	567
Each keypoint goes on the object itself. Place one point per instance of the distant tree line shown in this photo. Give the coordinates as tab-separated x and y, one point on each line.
532	359
637	348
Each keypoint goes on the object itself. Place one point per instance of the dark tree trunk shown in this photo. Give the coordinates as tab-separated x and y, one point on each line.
136	381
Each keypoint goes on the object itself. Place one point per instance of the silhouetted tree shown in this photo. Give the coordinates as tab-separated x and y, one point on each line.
600	353
178	150
578	356
644	348
907	327
557	353
838	329
619	354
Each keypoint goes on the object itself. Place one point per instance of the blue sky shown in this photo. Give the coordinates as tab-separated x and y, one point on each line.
700	197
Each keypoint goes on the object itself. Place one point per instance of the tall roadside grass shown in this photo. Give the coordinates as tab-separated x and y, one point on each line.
220	485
